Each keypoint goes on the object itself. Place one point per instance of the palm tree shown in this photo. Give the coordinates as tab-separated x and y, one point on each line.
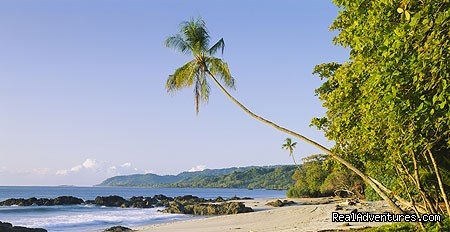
290	146
193	39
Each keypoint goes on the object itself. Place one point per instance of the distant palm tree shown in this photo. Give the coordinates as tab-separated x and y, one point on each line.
193	39
290	146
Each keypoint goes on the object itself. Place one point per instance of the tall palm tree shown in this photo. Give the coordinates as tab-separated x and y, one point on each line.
193	39
290	146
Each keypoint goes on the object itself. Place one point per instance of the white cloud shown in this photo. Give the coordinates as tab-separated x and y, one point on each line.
90	163
99	168
197	168
87	164
61	172
76	168
126	165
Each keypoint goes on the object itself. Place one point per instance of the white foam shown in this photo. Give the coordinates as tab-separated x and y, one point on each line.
90	217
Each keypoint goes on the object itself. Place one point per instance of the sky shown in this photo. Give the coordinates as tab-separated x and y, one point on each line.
82	94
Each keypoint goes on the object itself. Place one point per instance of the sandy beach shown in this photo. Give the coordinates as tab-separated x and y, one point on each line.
306	215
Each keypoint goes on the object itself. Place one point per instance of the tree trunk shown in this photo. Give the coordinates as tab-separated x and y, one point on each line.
441	186
363	176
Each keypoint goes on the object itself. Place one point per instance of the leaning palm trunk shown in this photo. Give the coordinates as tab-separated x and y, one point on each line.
363	176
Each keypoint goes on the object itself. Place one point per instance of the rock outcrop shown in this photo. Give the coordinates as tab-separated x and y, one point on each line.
62	200
279	203
118	229
112	201
8	227
207	208
187	204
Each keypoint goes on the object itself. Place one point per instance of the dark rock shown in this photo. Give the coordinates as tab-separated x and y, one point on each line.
176	207
11	201
118	229
162	200
352	201
343	193
207	209
151	200
63	200
190	198
4	226
25	229
67	200
338	207
279	203
111	201
239	198
8	227
89	202
20	201
161	197
45	201
354	211
141	202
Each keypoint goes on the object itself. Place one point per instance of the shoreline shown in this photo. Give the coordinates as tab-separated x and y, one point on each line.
308	214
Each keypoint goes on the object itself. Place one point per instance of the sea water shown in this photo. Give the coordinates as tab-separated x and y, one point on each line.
96	218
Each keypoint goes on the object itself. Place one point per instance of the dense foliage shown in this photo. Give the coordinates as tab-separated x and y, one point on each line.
319	176
255	177
388	107
271	177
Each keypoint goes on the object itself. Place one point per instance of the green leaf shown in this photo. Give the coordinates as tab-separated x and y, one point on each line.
435	97
399	10
407	15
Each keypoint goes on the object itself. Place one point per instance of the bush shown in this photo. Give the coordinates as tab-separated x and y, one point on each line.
319	176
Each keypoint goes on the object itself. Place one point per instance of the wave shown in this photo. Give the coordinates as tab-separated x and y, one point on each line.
82	218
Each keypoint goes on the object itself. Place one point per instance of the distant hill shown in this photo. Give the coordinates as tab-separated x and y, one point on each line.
268	177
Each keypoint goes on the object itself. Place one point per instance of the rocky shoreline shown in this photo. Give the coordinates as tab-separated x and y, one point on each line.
187	204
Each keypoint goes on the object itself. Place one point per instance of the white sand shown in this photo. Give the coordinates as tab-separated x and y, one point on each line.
307	215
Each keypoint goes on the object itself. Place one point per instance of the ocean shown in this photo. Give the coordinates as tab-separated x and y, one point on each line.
84	218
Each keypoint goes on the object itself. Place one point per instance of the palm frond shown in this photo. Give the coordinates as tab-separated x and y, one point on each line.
219	45
219	68
177	42
201	90
205	88
196	35
183	76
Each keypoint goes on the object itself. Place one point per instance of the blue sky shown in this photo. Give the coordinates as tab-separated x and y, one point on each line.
82	92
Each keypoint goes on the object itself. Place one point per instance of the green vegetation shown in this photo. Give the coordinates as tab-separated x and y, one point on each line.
388	106
271	177
394	227
407	227
319	176
193	39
